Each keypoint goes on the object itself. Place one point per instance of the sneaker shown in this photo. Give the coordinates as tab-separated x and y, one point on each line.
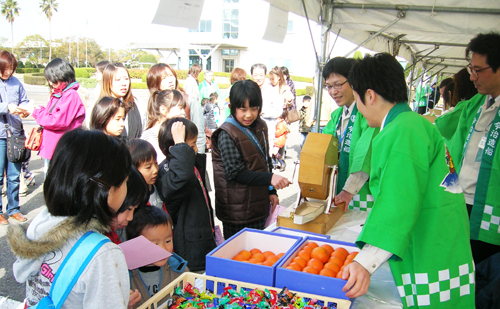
23	194
30	181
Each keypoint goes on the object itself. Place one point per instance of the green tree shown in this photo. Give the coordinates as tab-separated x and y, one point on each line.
10	10
48	7
148	58
33	47
94	51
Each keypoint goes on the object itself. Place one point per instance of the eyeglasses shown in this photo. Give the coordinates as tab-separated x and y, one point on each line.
473	71
334	86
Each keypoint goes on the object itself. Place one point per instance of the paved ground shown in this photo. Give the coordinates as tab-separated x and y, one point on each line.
11	292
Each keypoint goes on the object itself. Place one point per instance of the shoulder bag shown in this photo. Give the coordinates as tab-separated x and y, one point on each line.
71	269
35	136
16	152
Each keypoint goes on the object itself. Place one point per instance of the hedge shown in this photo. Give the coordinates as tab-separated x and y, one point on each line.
28	70
301	79
30	79
139	86
87	82
137	73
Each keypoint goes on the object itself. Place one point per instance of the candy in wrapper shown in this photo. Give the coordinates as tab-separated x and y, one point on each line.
285	297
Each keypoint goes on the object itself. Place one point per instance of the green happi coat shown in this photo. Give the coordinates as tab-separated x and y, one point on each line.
447	124
485	216
424	226
355	153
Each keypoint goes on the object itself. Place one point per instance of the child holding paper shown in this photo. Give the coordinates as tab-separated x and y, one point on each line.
156	226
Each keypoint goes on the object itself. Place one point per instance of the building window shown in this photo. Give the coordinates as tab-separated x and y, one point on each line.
195	59
204	26
230	52
230	19
290	26
228	65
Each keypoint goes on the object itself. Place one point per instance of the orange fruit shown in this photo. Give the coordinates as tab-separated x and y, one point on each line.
342	268
320	254
311	270
272	259
343	250
304	254
352	255
348	261
296	265
279	255
328	248
292	268
312	244
308	249
333	266
336	260
253	261
268	253
339	275
315	263
259	257
246	254
255	250
338	254
267	263
300	261
239	257
327	272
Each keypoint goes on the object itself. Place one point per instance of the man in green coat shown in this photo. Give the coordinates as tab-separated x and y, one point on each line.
417	222
354	135
473	146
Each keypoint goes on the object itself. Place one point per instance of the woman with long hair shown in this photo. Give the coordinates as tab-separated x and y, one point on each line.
116	83
162	77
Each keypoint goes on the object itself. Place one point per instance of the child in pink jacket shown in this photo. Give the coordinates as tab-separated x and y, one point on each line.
65	110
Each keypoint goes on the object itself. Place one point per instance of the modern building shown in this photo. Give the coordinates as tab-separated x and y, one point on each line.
230	34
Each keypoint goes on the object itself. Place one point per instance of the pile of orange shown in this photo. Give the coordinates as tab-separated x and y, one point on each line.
322	260
255	256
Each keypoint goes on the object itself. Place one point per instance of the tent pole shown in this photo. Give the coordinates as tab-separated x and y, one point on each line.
376	34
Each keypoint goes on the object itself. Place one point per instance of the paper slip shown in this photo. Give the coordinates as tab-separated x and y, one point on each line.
356	228
141	252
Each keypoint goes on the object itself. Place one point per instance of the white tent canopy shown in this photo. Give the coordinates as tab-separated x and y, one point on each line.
437	30
432	34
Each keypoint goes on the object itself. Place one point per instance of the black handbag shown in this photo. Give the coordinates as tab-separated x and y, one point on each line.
16	152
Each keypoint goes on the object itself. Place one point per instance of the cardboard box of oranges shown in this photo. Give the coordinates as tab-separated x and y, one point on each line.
303	234
315	267
250	256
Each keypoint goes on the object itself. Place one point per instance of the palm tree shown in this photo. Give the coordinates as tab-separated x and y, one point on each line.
10	10
48	7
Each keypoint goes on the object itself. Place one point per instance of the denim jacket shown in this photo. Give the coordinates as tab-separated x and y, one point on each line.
11	92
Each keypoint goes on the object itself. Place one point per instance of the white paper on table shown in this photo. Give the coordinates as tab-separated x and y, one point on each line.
179	13
277	25
141	252
356	228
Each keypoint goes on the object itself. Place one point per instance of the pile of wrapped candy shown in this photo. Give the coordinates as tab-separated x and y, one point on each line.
191	297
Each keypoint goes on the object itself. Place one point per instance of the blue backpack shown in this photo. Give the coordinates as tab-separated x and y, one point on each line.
71	268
